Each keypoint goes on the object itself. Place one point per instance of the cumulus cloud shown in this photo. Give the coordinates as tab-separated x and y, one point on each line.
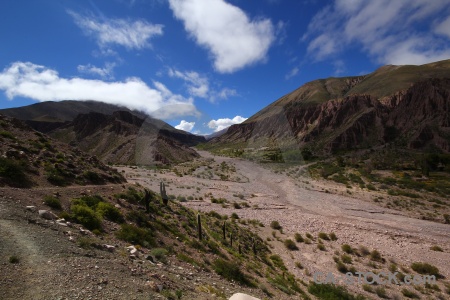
220	124
25	79
199	86
185	125
392	32
106	72
233	40
127	33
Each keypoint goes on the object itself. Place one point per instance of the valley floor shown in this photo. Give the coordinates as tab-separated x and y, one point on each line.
266	196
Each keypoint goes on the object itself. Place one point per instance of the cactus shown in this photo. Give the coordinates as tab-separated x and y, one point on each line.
147	198
199	225
231	240
162	189
224	230
239	248
254	246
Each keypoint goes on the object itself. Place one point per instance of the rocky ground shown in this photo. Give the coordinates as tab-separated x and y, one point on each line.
306	208
59	261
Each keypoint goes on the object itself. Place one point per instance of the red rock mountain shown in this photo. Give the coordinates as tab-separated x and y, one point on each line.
407	106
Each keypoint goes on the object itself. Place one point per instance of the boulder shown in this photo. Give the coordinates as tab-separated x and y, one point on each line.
241	296
46	214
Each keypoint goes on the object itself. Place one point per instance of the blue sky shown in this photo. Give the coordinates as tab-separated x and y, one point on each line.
202	65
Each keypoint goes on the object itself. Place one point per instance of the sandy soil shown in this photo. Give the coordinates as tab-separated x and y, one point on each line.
300	208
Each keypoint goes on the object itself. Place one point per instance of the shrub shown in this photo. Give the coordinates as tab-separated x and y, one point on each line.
309	236
93	177
321	247
341	267
231	271
52	202
436	248
381	292
135	235
278	261
298	238
333	236
14	259
160	254
425	269
234	216
376	256
275	225
324	236
407	293
13	173
363	251
236	205
331	292
290	244
347	248
86	216
346	259
109	212
298	265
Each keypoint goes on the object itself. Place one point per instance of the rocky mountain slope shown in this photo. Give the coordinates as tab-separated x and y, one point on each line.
114	134
408	106
29	158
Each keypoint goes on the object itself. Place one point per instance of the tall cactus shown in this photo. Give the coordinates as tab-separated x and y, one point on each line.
147	198
224	230
254	246
239	248
231	240
162	189
199	225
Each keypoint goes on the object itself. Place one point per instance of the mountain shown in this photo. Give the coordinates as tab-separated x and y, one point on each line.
123	138
114	134
29	158
407	106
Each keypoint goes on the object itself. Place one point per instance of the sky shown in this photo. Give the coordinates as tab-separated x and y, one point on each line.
202	65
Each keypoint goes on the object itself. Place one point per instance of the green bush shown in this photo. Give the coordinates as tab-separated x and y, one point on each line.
290	244
275	225
135	235
93	177
160	254
407	293
109	212
14	259
376	256
231	271
321	247
331	292
324	236
346	259
298	238
86	216
425	269
347	248
13	173
52	202
333	236
436	248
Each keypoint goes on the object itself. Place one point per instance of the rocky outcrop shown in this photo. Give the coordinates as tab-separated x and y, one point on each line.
418	117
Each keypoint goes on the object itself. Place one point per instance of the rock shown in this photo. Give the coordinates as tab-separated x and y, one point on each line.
46	214
84	231
241	296
109	248
31	208
150	258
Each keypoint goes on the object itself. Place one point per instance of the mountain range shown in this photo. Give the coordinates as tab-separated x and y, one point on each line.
114	134
405	106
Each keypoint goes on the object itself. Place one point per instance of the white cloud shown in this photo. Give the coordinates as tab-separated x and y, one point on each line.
292	73
233	40
199	86
25	79
220	124
186	126
127	33
392	32
106	72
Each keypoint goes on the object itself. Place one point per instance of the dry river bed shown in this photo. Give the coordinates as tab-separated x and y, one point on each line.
357	222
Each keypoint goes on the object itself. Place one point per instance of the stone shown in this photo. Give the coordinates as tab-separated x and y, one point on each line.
241	296
109	248
31	208
46	214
